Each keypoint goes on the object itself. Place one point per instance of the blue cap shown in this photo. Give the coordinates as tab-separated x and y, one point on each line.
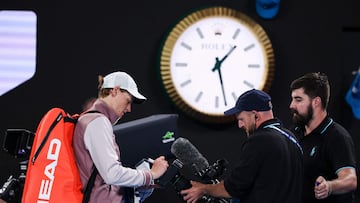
267	9
353	96
250	100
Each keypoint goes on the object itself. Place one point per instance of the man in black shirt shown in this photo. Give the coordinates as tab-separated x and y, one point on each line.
329	157
270	165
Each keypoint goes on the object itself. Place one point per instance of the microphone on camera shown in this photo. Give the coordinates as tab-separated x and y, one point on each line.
188	154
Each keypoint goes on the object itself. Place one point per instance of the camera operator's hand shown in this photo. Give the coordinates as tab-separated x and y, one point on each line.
2	201
194	193
159	167
199	190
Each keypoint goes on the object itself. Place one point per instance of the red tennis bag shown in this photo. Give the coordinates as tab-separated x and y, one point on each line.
52	174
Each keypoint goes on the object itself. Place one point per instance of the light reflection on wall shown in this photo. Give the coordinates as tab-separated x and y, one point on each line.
17	48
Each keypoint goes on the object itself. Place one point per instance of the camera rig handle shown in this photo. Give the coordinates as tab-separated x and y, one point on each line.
10	189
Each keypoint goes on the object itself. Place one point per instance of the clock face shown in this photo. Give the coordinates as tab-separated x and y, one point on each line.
211	57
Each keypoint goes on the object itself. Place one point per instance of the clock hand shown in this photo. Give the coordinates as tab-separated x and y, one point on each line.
217	66
221	83
218	63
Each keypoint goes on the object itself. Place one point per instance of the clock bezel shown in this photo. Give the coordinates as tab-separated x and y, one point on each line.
183	25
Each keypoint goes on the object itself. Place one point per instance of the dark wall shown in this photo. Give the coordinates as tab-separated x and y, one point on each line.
79	40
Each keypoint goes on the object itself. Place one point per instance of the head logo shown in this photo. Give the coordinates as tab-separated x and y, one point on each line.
168	137
49	171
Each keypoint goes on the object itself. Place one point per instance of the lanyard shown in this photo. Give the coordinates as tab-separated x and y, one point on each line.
285	134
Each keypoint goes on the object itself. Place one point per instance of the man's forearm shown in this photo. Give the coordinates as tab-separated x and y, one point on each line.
216	190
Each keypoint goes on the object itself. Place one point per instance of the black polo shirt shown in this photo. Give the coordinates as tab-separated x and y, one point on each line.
327	149
269	167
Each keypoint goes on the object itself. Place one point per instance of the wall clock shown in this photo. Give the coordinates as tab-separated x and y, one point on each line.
210	57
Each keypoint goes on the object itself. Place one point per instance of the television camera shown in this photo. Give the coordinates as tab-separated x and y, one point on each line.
191	165
17	143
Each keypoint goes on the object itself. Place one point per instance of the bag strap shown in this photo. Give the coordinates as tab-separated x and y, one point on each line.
92	178
89	185
42	144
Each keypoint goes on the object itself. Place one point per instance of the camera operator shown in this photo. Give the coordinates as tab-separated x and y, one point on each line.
270	166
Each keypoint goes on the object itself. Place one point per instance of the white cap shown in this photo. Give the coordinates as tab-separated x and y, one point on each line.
125	82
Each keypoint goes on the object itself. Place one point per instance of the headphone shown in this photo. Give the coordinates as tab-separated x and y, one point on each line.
255	118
